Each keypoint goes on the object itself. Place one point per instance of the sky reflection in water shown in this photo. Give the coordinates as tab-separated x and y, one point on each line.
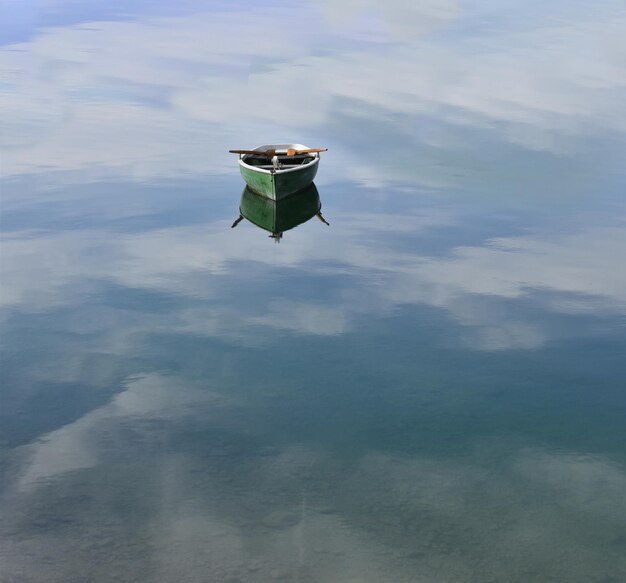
432	388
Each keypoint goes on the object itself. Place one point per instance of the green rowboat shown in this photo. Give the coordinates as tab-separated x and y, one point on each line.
278	170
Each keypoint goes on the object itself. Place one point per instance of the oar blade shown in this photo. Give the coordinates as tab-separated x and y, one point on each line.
268	153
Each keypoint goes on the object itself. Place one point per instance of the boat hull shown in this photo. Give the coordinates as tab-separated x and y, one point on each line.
279	185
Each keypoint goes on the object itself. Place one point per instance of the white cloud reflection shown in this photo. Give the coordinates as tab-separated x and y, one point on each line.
299	510
79	445
168	95
202	264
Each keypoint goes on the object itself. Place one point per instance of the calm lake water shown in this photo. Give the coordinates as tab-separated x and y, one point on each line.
431	388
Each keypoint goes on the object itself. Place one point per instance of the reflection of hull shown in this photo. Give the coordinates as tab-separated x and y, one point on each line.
294	173
280	215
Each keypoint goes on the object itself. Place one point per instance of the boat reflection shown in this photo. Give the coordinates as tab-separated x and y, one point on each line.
279	216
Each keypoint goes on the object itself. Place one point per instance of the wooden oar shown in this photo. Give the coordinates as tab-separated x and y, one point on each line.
293	152
268	153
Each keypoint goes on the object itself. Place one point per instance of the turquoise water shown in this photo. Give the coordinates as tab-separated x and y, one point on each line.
430	388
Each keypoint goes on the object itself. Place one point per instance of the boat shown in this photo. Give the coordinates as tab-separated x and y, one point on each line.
277	171
278	216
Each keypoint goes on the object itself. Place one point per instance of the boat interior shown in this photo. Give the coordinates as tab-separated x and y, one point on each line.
284	161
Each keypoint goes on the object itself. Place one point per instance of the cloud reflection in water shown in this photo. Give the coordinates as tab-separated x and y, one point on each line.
428	389
163	96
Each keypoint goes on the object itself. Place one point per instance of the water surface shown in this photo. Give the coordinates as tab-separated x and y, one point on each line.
430	388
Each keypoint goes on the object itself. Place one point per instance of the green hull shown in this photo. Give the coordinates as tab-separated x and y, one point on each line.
282	215
279	185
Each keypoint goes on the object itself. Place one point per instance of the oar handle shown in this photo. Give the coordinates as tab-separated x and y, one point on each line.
293	152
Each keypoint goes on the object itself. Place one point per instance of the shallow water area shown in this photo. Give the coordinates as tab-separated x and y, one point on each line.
426	385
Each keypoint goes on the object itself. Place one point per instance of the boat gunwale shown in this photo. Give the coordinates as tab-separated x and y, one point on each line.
316	159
